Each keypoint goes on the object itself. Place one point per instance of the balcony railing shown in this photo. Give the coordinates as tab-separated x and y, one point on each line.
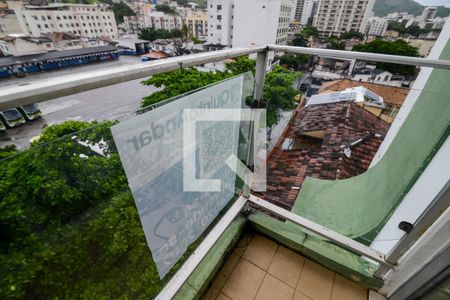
40	91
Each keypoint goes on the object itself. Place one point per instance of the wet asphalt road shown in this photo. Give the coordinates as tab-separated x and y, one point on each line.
114	102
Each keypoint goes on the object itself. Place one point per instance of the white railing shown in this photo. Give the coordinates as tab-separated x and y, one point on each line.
44	90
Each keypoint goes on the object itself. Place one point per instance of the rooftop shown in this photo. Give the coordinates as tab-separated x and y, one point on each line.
313	145
391	95
13	60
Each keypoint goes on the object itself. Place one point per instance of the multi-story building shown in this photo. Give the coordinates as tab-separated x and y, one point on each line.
220	22
9	24
302	11
334	17
156	20
160	20
132	24
429	12
79	19
426	19
378	26
197	24
251	22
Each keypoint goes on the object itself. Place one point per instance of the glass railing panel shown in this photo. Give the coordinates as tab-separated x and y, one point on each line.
68	219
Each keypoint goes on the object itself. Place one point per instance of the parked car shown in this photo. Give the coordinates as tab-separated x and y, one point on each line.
11	118
30	112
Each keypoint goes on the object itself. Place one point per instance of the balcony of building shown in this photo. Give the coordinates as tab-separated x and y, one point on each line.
325	228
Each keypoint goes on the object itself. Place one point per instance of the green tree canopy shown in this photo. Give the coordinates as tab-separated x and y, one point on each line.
396	26
165	9
398	47
308	31
182	81
151	34
294	61
352	35
279	92
334	43
121	9
299	41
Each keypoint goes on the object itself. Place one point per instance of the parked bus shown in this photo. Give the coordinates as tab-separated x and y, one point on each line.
30	112
11	118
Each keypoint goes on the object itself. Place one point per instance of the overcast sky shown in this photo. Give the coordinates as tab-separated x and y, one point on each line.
434	2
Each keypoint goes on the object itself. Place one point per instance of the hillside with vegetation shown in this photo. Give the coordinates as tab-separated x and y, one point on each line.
384	7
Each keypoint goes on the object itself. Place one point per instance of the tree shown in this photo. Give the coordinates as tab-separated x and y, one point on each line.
165	9
396	26
69	227
294	61
352	35
398	47
182	81
299	41
279	93
151	34
334	43
120	10
309	31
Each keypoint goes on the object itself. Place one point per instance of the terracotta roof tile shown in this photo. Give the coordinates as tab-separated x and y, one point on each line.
341	124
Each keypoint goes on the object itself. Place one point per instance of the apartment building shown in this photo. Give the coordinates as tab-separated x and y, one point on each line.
160	20
378	26
246	23
302	11
197	24
9	24
157	20
334	17
79	19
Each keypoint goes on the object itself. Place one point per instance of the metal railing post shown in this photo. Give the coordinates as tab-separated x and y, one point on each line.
260	75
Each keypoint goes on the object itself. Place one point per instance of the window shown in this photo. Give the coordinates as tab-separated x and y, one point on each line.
48	17
219	26
43	18
35	17
219	17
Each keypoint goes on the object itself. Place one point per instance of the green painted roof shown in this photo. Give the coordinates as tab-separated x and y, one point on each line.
359	207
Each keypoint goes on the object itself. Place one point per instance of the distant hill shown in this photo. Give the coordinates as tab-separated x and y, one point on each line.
383	7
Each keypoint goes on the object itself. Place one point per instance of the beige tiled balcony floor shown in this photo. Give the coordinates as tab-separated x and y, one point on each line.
260	269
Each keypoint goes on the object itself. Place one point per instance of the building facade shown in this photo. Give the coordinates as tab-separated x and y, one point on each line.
302	11
18	45
79	19
334	17
197	24
246	23
9	24
160	20
378	26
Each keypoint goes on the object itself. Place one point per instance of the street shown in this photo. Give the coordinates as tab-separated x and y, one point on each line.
109	103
